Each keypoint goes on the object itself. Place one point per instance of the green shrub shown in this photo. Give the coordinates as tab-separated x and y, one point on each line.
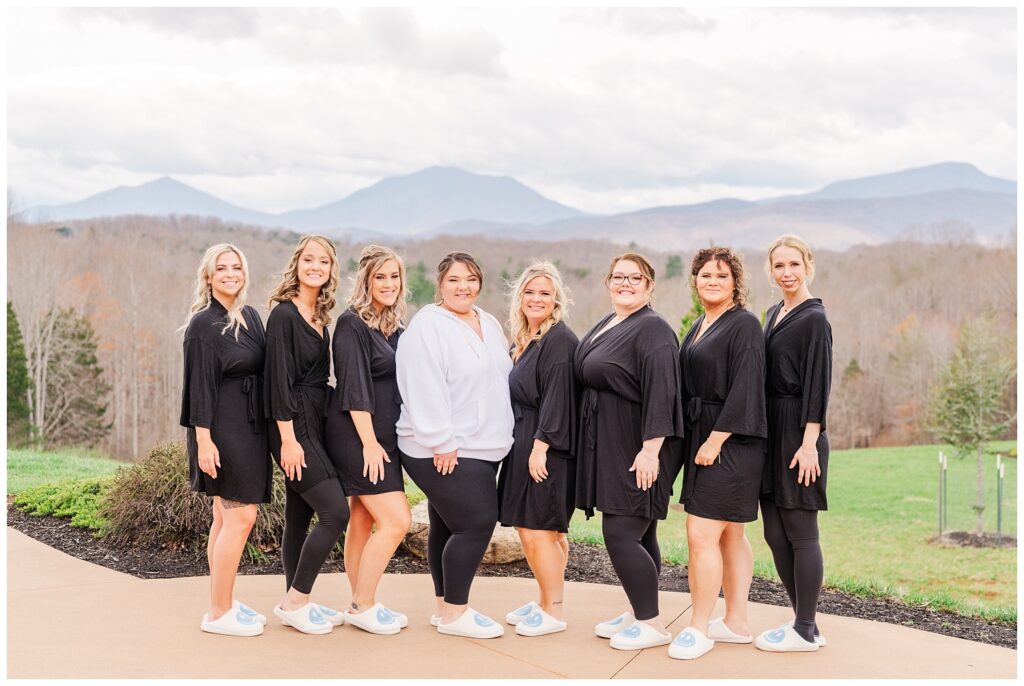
80	500
151	502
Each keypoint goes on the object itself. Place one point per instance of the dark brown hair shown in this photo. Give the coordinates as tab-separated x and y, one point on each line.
450	259
646	268
729	257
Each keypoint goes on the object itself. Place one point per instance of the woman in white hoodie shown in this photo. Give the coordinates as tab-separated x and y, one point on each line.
455	428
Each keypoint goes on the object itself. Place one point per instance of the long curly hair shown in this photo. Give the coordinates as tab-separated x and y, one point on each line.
735	263
289	285
517	323
388	320
204	291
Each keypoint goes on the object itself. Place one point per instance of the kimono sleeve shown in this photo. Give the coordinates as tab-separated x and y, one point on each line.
354	388
279	370
556	416
817	375
420	372
743	411
202	380
661	408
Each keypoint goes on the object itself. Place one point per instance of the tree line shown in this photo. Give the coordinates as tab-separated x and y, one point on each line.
102	354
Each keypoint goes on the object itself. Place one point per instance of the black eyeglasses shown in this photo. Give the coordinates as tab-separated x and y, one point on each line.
633	279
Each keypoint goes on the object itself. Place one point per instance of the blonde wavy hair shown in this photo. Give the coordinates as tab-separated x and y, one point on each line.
204	291
790	240
517	323
388	320
289	286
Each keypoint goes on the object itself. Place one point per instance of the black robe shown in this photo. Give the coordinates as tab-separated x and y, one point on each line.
221	392
544	401
364	370
798	376
629	381
298	366
723	390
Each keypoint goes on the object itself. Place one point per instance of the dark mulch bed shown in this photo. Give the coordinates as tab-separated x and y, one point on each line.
586	563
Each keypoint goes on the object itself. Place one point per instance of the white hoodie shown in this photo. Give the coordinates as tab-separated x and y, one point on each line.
454	387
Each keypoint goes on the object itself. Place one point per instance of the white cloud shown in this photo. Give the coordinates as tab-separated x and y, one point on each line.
607	110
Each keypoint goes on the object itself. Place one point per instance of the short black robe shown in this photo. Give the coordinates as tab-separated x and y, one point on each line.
364	370
298	366
221	392
544	401
629	383
723	390
798	376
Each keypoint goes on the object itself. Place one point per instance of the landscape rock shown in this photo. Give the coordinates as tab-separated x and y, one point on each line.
503	548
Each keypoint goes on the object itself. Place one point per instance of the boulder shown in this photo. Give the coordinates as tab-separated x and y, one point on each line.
503	548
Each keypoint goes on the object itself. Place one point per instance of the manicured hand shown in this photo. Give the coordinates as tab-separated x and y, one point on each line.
374	458
209	458
446	462
293	459
810	470
538	465
646	467
707	453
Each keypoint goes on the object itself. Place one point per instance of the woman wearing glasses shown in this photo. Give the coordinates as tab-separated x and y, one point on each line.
629	451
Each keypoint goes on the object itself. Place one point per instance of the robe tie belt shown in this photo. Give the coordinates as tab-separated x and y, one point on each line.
305	388
785	397
693	407
588	418
251	388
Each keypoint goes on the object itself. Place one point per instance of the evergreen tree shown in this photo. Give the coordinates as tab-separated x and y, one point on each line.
76	390
19	425
696	310
673	267
969	399
421	289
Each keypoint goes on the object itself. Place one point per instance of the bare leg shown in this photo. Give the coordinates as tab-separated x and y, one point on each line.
547	560
563	543
705	567
360	526
738	571
237	521
215	527
390	511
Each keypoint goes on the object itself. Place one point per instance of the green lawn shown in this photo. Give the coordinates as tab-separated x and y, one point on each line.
27	468
874	537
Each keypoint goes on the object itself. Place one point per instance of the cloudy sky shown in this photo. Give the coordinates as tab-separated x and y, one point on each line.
605	110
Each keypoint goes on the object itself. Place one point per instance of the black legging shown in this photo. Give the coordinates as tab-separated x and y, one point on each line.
632	544
463	509
304	554
793	537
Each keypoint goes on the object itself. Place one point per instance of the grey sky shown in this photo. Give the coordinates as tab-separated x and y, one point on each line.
602	109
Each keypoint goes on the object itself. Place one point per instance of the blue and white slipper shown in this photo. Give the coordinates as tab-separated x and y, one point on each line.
785	639
818	638
613	626
719	632
246	610
639	635
232	623
690	644
308	619
539	623
403	621
472	624
376	620
521	613
333	616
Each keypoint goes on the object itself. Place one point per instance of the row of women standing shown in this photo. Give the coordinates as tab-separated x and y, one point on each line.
601	424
